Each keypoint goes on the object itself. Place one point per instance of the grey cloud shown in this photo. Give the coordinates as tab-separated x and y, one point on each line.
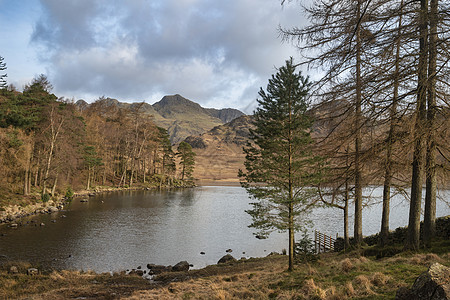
217	53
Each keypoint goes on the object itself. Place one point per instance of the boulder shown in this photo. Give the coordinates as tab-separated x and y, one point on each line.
182	266
228	250
433	284
52	209
226	259
32	271
158	269
13	270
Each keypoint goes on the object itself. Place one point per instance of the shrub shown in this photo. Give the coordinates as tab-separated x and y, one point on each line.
69	193
45	197
304	249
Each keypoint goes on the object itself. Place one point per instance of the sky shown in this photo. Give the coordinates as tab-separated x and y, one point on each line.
215	53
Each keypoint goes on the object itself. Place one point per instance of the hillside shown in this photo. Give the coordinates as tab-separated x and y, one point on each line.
219	151
180	116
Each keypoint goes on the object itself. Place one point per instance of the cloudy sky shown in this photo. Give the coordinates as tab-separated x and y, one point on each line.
216	53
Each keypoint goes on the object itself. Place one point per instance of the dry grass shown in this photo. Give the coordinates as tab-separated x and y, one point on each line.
363	285
379	279
346	265
334	276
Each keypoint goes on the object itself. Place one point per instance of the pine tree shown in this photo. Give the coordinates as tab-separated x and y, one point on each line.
280	166
187	160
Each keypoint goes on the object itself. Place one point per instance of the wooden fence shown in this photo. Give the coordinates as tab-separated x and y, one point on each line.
323	242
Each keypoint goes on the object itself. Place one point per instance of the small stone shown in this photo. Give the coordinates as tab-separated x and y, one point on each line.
202	253
42	224
13	270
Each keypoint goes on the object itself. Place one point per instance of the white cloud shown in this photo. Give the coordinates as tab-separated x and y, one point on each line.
217	53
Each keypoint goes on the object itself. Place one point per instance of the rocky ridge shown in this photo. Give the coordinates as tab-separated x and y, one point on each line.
180	116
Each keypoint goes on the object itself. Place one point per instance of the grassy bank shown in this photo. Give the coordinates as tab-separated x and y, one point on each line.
332	276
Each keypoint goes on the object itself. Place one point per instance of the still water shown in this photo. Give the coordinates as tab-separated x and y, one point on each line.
123	230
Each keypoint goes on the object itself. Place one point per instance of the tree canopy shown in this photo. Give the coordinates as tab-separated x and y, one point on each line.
280	165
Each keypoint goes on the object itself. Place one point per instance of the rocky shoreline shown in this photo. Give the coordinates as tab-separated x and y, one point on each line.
12	213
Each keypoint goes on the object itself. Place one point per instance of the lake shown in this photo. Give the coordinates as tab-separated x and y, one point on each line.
123	230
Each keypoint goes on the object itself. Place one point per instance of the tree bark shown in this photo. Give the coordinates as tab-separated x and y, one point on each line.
413	236
346	237
27	179
358	176
384	232
88	183
430	167
55	183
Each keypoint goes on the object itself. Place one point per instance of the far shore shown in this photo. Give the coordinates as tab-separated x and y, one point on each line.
220	182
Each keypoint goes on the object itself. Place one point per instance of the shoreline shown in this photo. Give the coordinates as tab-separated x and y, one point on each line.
12	213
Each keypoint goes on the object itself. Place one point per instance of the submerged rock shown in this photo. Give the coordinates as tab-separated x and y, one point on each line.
158	269
433	284
227	258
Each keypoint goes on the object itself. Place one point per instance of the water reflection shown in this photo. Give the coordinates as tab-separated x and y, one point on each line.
123	230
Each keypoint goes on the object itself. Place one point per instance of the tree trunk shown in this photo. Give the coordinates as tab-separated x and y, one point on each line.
55	183
430	195
384	233
47	168
26	181
413	236
358	177
88	184
346	236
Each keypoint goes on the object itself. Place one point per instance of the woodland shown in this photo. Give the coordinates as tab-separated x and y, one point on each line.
49	146
385	95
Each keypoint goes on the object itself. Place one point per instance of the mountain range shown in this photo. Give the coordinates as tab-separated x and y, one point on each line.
180	116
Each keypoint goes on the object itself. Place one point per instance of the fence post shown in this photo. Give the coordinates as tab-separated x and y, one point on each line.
315	240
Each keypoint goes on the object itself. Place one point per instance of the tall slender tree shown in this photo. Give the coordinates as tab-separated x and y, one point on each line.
280	166
430	165
413	236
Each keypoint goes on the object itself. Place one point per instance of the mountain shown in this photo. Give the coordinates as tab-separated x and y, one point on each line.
225	114
219	151
180	116
183	118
